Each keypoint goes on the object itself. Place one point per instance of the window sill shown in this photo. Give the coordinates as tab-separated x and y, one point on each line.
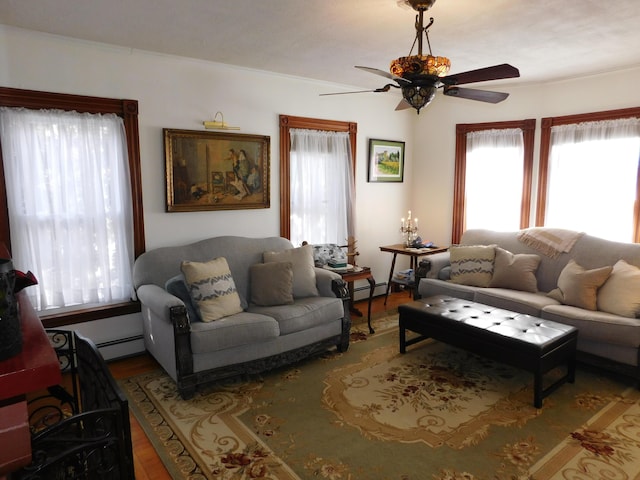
89	314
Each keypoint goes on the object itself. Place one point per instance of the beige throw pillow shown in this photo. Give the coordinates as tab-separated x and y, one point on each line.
212	288
304	273
579	287
472	264
621	292
272	283
515	271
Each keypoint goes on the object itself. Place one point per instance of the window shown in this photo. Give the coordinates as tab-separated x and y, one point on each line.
324	155
589	169
320	208
492	189
71	171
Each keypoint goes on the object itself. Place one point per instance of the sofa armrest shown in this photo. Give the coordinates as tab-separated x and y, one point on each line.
171	311
158	300
324	281
432	265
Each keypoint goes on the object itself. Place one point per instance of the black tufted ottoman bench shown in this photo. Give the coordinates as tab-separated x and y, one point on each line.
522	341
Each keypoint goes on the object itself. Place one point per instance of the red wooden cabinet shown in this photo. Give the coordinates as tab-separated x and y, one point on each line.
34	368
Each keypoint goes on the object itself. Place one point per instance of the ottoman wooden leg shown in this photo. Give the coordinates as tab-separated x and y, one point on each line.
537	390
403	337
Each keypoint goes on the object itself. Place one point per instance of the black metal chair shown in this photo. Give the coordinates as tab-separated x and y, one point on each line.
80	429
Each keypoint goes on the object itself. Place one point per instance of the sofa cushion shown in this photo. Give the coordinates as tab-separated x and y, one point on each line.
272	283
578	286
429	287
305	313
515	300
620	294
177	286
602	327
242	328
304	273
472	264
515	271
212	288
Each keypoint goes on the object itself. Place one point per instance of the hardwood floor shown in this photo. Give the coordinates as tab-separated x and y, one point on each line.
147	463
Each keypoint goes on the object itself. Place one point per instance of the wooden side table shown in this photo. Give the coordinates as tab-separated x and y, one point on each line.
359	273
414	253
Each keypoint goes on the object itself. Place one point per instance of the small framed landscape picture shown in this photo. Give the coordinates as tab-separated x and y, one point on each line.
386	161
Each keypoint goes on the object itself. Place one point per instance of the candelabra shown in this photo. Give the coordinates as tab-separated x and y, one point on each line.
409	229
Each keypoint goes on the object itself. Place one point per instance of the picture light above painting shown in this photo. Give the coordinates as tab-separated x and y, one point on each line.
386	161
216	170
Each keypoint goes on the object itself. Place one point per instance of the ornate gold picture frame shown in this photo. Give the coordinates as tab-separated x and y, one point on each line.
216	170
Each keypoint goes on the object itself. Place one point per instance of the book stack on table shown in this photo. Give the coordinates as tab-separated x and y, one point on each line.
335	263
404	277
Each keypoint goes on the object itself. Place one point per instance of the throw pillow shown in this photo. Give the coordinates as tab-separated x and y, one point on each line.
472	264
579	287
515	271
621	292
304	273
272	283
212	288
177	286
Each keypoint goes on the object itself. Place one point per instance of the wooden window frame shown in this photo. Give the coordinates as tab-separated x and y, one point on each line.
545	149
288	122
128	110
459	208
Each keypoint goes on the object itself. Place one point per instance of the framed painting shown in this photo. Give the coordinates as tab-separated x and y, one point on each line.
216	170
386	161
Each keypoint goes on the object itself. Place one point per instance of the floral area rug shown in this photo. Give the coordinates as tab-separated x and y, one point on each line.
436	412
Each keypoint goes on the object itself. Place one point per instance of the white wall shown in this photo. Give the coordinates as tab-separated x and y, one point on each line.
434	132
176	92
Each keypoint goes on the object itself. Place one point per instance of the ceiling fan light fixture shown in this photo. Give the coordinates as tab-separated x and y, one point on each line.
419	96
420	65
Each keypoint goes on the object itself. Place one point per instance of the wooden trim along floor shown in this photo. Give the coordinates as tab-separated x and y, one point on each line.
147	463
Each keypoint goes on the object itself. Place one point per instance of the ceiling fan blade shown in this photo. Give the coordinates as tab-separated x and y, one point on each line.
377	90
382	73
403	105
497	72
346	93
474	94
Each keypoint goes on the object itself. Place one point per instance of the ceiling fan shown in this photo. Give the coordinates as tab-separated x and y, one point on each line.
419	76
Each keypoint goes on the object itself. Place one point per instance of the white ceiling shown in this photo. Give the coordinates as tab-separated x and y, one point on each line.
324	39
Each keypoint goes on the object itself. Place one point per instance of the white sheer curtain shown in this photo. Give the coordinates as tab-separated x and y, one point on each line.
493	180
592	183
321	187
69	200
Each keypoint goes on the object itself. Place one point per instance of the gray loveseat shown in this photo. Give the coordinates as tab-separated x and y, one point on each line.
254	337
608	339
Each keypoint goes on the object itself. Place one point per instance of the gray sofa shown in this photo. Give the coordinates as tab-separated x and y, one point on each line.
608	339
255	337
